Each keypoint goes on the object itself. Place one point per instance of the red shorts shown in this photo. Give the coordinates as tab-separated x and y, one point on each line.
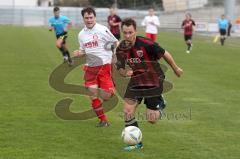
100	76
151	36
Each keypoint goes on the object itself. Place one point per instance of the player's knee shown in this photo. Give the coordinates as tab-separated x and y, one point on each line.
153	117
58	45
106	95
128	112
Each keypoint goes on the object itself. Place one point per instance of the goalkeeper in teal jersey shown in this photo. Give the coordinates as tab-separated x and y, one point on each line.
60	24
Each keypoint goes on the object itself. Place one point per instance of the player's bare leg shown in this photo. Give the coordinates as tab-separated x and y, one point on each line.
222	40
63	48
152	115
189	46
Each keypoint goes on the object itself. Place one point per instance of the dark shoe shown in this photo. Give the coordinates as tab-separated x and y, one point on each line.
103	124
70	62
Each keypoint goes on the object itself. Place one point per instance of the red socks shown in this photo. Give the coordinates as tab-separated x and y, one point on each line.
97	107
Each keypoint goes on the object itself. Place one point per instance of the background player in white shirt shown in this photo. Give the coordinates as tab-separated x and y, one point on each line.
94	40
151	22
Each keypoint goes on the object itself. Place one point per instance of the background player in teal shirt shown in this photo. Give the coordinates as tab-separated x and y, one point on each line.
60	24
223	25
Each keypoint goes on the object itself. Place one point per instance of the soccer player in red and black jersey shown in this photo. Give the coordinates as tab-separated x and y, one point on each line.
114	23
188	26
146	75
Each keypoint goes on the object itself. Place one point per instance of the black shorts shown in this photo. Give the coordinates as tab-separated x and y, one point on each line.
62	36
153	103
222	32
152	95
117	36
187	37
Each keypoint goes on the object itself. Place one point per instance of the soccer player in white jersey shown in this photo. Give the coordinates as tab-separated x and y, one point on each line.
93	40
151	22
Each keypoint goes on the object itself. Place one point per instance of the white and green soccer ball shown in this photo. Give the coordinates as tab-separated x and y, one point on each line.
131	135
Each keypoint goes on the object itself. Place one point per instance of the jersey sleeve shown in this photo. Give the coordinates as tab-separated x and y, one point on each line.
183	23
157	50
108	35
157	22
119	19
193	23
66	20
81	45
50	22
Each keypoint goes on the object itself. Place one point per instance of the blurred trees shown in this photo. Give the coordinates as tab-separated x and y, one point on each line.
130	4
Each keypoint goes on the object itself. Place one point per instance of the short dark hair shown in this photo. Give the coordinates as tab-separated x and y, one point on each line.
88	10
128	22
55	9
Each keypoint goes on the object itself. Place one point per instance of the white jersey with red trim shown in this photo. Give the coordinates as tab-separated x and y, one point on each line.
95	42
151	23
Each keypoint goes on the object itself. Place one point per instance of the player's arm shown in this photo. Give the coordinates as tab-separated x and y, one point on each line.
193	25
116	24
79	53
68	24
144	22
125	72
121	64
169	59
183	25
156	22
50	25
50	28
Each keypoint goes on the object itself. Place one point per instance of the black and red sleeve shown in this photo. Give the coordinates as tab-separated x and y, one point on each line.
157	51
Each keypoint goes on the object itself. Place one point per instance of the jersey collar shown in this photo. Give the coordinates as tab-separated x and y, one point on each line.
93	28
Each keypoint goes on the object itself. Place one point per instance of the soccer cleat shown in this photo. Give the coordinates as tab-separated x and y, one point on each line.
103	124
191	47
188	52
65	59
70	62
134	147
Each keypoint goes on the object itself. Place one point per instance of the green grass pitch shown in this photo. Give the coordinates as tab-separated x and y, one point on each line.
203	113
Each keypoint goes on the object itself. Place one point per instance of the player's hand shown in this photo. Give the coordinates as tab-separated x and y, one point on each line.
178	71
111	22
129	73
76	53
152	23
50	29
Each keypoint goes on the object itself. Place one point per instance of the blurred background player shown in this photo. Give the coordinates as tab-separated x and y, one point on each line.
146	82
223	25
93	39
60	24
229	28
114	23
188	27
151	22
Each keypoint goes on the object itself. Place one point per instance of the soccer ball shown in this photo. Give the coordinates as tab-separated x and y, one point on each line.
131	135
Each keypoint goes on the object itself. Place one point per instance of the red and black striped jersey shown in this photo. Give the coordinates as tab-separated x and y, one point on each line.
142	58
115	19
187	25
